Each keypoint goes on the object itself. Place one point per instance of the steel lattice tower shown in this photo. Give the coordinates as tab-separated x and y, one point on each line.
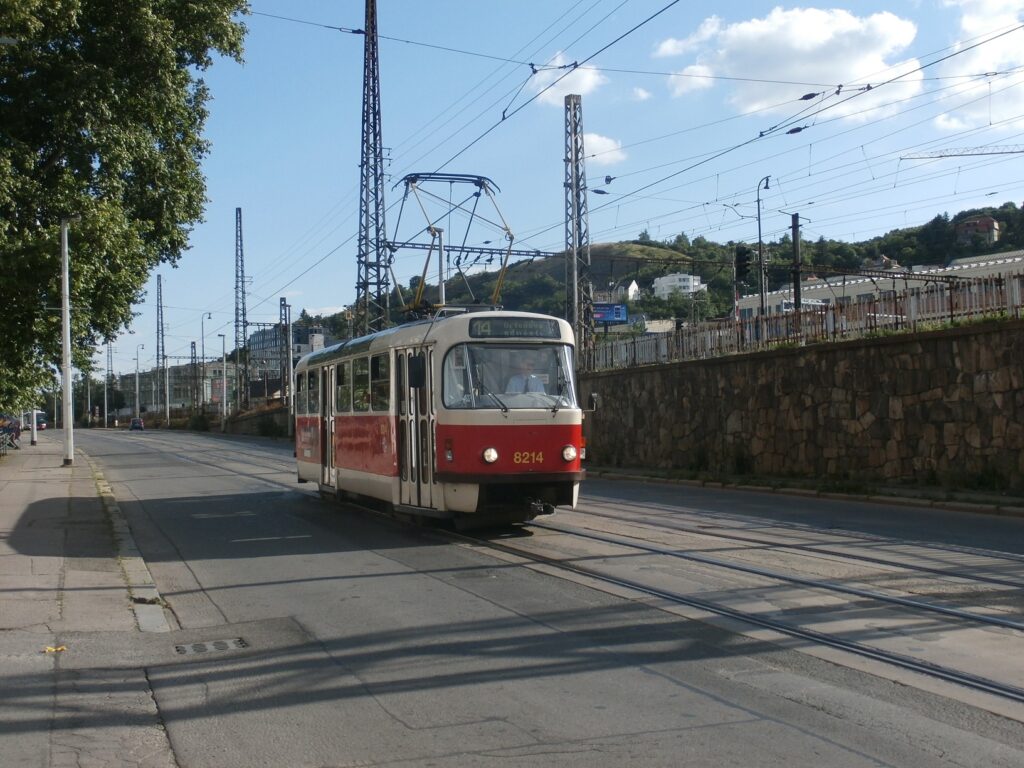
161	353
374	259
579	292
241	324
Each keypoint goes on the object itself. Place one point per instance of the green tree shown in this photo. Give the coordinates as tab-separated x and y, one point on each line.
102	112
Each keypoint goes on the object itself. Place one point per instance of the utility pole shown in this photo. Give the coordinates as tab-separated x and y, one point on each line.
195	376
161	359
67	420
373	257
761	266
579	292
108	381
291	374
796	275
797	263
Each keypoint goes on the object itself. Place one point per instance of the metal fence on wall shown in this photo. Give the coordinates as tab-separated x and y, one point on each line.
912	309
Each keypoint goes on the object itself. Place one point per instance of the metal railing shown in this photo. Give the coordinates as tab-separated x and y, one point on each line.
909	310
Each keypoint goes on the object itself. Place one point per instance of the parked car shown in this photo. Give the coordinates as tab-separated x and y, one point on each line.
137	424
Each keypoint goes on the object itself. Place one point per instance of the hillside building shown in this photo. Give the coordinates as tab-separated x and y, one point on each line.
984	227
683	284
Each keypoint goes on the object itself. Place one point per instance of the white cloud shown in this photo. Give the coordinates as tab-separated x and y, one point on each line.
696	77
674	47
641	94
979	20
581	81
601	150
805	45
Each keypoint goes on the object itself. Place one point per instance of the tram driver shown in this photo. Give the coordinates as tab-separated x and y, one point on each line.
524	379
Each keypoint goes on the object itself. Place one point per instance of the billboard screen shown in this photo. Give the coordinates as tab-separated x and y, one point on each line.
610	313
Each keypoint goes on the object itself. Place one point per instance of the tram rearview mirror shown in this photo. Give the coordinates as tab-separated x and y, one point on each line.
417	372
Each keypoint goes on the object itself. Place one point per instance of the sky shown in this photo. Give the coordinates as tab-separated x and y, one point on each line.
686	108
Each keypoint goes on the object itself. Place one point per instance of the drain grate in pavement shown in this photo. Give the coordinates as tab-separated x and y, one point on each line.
211	646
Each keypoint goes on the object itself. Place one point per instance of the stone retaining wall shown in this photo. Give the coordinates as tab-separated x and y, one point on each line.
939	407
269	423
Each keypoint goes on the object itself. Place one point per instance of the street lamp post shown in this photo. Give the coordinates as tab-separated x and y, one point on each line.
65	317
223	383
138	411
760	249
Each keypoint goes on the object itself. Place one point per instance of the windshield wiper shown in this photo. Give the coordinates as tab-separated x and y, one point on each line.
504	408
558	396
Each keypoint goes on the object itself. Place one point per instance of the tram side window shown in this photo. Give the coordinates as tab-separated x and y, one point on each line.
380	382
300	393
313	393
343	389
361	384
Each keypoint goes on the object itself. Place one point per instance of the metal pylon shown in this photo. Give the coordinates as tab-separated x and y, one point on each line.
374	259
241	324
579	292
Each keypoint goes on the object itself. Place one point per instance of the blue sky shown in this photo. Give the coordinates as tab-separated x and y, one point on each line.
687	113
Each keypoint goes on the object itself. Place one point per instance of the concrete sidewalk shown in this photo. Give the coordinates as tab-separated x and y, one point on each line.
68	575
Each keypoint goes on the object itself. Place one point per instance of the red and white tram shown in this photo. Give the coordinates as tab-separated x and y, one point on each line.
445	417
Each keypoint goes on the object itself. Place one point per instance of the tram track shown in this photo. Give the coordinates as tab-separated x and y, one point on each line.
822	548
827	586
969	680
858	537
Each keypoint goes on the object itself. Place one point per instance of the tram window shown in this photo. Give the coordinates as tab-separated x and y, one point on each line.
343	388
478	376
313	392
400	390
361	384
417	371
421	393
380	382
300	393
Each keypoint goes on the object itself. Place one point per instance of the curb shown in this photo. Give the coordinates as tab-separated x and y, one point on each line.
146	601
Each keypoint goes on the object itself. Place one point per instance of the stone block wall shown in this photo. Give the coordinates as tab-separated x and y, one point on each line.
938	407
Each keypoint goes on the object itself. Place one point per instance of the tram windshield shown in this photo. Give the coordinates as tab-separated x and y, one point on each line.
509	376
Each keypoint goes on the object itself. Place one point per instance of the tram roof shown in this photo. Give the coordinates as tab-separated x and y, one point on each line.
413	332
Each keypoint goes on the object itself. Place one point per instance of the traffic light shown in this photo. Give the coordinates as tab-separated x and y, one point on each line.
743	255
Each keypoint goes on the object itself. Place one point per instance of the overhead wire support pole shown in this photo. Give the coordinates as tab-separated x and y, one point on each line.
161	359
373	257
580	297
761	266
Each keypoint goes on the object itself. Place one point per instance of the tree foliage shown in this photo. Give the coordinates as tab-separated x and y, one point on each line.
101	117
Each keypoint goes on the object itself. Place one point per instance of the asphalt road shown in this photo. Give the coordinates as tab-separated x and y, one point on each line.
353	640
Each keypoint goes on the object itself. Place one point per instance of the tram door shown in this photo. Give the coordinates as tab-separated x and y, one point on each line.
415	427
327	376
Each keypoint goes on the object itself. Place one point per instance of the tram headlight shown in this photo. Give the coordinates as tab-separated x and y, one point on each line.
490	455
569	453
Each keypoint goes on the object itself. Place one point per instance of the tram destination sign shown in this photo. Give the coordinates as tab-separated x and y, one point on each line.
514	328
